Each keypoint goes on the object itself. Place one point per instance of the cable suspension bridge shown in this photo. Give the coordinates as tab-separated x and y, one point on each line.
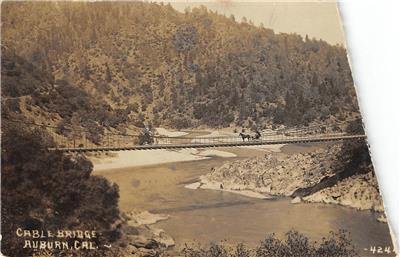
80	140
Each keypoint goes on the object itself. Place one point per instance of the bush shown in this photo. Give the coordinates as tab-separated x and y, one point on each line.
355	127
181	122
295	245
46	190
13	105
298	245
185	38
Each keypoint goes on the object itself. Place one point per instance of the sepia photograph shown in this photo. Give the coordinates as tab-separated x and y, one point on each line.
183	129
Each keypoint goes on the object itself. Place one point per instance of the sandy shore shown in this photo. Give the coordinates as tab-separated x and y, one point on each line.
168	133
126	159
267	148
220	133
137	218
205	184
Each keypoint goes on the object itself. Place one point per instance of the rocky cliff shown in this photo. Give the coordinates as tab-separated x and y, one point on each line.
340	173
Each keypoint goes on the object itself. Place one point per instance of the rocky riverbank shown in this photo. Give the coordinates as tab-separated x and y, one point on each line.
139	239
324	175
359	191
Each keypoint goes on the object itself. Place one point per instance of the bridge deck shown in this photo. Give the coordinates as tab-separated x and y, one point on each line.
293	140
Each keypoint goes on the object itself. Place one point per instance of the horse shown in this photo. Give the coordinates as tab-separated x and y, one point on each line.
244	136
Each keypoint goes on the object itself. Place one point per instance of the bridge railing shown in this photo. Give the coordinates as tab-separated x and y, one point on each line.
78	138
212	142
122	140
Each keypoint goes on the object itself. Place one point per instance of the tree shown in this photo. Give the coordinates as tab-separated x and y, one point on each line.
46	190
295	244
108	74
355	127
185	38
228	67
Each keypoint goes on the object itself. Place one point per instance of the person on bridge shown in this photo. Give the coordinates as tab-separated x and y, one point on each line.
146	137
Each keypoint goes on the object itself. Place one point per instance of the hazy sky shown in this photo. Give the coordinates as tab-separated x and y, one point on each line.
319	19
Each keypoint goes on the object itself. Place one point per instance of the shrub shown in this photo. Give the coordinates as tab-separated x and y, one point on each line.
294	245
355	127
181	122
46	190
13	105
185	38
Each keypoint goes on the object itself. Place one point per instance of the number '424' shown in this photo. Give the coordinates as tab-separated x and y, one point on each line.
379	249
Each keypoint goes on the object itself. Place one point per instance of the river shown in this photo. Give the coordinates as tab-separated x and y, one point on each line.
205	216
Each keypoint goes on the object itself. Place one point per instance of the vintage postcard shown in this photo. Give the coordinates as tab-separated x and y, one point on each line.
192	129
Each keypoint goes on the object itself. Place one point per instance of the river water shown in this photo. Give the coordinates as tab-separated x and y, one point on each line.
204	216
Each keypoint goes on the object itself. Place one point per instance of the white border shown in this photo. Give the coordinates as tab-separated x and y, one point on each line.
373	40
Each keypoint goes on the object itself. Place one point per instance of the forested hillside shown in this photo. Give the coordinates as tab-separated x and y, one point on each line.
122	65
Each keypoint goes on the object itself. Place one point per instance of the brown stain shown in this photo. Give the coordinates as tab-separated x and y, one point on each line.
226	4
